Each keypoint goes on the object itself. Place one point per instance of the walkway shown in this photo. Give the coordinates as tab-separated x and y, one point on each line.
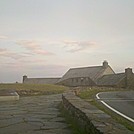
33	115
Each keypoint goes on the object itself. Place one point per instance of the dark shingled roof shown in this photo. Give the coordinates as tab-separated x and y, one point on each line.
92	72
41	80
111	79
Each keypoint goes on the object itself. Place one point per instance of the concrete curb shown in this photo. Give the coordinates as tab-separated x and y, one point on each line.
8	95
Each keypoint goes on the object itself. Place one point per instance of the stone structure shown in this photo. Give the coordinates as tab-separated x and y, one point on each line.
89	119
89	76
27	80
117	80
86	76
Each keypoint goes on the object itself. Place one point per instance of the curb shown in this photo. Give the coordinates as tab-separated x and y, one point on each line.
8	95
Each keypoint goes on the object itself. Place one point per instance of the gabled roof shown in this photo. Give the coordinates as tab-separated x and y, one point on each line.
111	79
41	80
91	72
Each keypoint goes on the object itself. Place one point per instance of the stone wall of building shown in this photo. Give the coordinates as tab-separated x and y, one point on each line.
27	80
121	84
79	81
107	71
129	78
90	119
131	82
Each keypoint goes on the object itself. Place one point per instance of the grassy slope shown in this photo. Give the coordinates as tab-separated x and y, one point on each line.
34	89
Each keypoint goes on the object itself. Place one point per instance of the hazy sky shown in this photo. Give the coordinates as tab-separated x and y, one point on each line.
44	38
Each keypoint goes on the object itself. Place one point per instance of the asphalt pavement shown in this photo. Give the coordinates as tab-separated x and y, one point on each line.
120	102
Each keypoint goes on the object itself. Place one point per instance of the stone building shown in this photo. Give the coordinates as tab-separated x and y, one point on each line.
27	80
85	76
118	80
89	76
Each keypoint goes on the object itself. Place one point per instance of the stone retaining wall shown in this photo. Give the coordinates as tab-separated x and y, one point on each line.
90	119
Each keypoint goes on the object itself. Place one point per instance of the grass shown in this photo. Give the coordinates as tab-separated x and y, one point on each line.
34	89
89	94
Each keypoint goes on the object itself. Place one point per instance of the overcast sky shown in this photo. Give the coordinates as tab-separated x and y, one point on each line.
44	38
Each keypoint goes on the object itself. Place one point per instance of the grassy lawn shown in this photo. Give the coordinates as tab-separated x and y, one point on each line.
89	93
34	89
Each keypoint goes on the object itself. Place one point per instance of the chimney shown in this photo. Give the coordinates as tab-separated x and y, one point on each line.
128	73
24	78
105	64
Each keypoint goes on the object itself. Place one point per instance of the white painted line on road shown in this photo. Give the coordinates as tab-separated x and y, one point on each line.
115	99
97	96
128	118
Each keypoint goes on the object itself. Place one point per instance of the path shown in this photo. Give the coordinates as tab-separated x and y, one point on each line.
33	115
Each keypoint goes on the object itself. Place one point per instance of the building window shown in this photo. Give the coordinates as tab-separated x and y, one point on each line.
82	79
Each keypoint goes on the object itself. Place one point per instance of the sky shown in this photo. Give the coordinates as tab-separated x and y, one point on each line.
44	38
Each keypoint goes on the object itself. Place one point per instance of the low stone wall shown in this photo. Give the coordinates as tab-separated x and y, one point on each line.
90	119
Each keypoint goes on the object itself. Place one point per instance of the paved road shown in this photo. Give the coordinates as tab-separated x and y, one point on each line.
123	102
33	115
